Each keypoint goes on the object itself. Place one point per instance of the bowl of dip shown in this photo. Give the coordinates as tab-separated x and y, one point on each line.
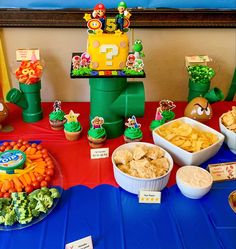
193	181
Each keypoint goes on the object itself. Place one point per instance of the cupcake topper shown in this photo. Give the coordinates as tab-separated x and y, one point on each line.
167	105
57	105
72	117
158	115
132	123
97	122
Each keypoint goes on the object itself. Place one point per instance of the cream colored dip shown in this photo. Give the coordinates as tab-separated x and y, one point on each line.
195	176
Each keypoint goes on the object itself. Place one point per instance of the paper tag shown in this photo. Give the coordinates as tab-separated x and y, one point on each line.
197	60
99	153
223	171
149	196
26	54
85	243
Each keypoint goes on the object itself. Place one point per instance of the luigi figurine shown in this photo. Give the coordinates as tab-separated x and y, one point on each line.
122	8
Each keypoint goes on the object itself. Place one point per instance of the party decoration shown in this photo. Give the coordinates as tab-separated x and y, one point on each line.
97	134
57	116
72	128
198	109
3	111
164	113
28	97
72	117
29	72
133	132
199	81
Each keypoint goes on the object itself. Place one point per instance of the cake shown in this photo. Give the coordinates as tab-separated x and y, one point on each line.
97	134
72	128
57	117
108	46
133	132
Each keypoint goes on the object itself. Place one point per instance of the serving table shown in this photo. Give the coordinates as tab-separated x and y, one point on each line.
93	204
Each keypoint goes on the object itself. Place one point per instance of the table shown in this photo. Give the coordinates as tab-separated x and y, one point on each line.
93	204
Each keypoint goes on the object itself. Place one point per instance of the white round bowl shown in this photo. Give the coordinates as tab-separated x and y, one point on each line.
190	182
230	137
135	184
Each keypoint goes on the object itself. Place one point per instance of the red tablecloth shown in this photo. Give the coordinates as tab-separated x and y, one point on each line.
74	157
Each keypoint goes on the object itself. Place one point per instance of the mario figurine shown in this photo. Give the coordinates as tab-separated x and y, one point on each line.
122	8
99	13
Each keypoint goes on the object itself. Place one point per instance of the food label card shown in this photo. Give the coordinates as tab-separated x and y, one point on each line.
223	171
99	153
85	243
149	196
197	60
27	54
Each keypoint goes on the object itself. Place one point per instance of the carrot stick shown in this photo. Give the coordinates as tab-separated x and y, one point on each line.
17	183
27	151
35	156
40	170
23	148
32	176
33	151
6	185
27	178
22	180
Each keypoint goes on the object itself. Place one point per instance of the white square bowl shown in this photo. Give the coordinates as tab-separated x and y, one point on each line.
135	184
230	137
183	157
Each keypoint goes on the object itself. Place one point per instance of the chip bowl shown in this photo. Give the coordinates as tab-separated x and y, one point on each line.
183	157
230	137
135	184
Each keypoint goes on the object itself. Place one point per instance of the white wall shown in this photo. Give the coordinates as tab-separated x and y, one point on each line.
165	50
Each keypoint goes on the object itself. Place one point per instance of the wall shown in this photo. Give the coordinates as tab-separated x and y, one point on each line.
165	50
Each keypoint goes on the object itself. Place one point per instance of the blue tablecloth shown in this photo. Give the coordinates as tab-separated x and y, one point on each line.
115	219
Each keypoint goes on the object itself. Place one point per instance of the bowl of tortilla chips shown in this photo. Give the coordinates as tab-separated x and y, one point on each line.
227	123
188	141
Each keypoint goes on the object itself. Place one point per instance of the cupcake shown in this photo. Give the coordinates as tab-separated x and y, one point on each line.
159	120
168	115
156	123
133	132
97	134
166	107
72	127
56	117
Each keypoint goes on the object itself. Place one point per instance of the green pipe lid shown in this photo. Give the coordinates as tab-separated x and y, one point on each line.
11	160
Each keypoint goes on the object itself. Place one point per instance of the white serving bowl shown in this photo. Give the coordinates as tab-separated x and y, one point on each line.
183	157
135	184
230	137
190	181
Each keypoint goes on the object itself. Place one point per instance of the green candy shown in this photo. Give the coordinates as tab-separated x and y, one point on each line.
201	73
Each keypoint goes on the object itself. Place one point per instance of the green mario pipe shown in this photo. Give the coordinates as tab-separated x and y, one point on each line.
28	98
115	99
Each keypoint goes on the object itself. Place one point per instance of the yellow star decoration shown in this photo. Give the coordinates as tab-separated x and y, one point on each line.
118	32
87	17
72	117
99	32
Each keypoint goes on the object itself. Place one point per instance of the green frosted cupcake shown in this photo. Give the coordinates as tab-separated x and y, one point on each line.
72	127
57	120
97	134
156	123
133	135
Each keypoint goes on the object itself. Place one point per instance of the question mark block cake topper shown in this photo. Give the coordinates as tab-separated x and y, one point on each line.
109	50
